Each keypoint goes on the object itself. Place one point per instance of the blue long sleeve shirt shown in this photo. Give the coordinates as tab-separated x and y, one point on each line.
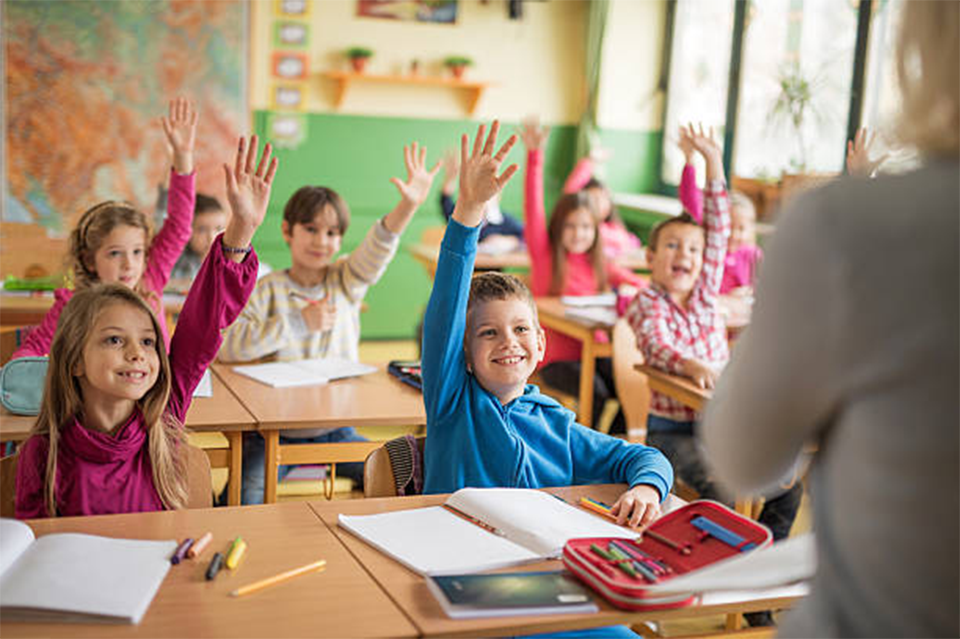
532	442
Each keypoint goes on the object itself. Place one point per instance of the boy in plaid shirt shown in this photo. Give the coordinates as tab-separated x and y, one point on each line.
680	330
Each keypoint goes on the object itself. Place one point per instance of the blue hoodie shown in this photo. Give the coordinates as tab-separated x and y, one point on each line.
532	442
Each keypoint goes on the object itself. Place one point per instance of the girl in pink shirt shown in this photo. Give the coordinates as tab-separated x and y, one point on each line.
615	237
111	242
567	258
109	437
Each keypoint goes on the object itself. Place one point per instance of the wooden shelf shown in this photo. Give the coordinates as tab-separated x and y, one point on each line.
344	79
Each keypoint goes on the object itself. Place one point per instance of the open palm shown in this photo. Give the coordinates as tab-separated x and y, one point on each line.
479	181
180	126
248	188
419	179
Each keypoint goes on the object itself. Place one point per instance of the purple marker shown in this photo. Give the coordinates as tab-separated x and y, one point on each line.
181	552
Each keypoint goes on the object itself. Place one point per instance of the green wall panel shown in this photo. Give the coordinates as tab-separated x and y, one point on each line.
357	156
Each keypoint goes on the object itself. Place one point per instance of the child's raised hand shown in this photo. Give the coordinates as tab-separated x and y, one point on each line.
685	144
638	507
534	135
858	154
479	181
706	145
181	131
450	164
415	190
248	191
320	316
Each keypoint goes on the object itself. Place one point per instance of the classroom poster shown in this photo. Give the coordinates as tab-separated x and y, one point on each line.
86	83
440	11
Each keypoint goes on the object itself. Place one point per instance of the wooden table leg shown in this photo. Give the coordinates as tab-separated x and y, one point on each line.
235	481
588	364
271	455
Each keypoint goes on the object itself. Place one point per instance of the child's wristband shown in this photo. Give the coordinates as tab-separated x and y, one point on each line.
231	249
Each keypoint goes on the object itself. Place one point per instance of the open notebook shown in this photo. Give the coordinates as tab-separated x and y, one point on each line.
73	577
530	524
307	372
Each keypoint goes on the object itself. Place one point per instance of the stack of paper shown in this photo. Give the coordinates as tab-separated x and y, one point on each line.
307	372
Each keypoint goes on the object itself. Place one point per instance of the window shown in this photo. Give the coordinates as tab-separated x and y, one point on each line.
699	70
795	87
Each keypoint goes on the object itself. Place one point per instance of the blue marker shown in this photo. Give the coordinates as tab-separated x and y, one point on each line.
717	531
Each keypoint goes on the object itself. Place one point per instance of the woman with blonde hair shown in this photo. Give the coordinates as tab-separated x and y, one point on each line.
854	347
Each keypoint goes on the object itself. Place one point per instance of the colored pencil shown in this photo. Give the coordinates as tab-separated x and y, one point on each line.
283	576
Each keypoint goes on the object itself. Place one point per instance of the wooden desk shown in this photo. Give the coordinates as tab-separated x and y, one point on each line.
679	388
341	601
377	399
222	412
409	591
553	315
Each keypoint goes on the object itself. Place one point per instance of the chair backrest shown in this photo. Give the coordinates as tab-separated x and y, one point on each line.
199	482
631	384
200	485
11	337
8	484
396	468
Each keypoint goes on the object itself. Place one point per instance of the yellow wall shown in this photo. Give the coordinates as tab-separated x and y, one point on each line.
536	63
632	54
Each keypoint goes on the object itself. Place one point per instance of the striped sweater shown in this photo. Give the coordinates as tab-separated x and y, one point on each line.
271	327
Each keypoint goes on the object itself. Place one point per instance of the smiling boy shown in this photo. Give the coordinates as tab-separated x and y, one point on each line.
486	427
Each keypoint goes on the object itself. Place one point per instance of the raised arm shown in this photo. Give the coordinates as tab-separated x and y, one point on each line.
227	276
858	154
535	218
689	193
716	210
444	367
180	129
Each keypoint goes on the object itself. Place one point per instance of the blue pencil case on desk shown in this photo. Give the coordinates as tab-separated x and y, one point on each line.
407	372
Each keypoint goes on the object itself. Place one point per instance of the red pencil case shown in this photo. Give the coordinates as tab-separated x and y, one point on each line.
699	534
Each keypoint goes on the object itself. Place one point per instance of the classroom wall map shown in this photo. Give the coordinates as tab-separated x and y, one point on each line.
86	83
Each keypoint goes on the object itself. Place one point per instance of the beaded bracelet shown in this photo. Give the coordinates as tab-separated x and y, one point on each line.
230	249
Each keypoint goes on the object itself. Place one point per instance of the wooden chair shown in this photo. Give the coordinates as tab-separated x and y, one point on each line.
566	399
393	468
11	337
200	488
631	384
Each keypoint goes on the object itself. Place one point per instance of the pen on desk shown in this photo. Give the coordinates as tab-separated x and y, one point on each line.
236	552
199	545
474	520
283	576
595	506
181	551
215	564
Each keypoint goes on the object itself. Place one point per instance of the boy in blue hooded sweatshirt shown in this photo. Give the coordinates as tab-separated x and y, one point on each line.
486	427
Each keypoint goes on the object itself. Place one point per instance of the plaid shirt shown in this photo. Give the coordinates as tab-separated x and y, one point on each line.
668	334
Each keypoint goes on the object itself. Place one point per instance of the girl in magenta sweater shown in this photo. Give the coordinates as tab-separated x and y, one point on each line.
109	437
110	242
567	258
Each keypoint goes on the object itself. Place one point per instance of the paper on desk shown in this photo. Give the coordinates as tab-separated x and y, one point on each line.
597	314
785	562
579	301
205	387
307	372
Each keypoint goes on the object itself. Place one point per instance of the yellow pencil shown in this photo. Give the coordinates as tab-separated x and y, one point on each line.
283	576
236	552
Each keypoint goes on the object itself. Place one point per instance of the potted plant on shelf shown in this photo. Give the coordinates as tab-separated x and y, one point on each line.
358	57
457	64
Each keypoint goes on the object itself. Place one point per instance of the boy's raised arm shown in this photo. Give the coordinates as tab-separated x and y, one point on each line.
444	324
716	210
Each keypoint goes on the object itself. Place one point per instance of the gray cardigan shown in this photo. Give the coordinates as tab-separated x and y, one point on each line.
854	346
